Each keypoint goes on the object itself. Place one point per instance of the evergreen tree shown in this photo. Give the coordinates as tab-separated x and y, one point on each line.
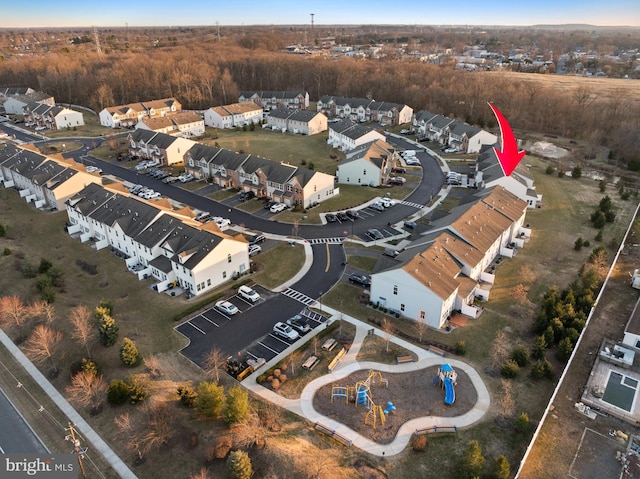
472	461
501	468
129	354
237	407
210	399
107	330
239	465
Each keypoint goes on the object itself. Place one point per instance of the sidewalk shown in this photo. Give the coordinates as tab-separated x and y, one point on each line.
348	364
87	431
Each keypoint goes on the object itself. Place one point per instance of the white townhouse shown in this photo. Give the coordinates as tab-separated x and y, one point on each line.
369	164
308	188
446	270
298	100
214	163
299	122
233	115
346	135
387	113
469	139
52	117
157	243
15	102
489	173
356	109
126	116
47	182
185	124
421	121
437	129
167	149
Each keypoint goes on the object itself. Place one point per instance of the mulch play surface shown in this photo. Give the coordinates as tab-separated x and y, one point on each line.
413	394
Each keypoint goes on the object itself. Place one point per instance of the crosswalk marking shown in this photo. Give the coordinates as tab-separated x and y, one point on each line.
414	205
298	296
338	240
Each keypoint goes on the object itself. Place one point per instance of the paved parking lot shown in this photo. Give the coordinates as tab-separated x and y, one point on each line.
247	333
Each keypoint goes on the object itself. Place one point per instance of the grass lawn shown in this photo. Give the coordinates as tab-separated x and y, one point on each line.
365	263
92	127
278	265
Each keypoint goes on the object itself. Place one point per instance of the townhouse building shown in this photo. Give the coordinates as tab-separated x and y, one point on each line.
233	115
166	149
299	122
297	100
52	117
369	164
346	135
127	116
186	124
364	110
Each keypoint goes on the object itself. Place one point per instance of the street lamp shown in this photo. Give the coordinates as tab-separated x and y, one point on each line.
320	300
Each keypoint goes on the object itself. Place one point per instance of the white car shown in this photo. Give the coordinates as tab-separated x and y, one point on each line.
185	178
254	249
221	222
387	202
141	166
451	150
412	161
225	307
278	207
286	331
153	195
249	294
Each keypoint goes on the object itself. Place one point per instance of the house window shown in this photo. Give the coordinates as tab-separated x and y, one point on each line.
638	344
224	275
422	315
402	307
209	282
395	289
364	172
228	258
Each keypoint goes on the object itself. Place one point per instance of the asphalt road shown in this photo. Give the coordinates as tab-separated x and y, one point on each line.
15	434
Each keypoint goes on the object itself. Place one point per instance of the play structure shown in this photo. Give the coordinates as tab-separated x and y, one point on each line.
447	378
361	394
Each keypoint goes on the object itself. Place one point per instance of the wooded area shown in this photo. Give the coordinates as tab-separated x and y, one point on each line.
200	74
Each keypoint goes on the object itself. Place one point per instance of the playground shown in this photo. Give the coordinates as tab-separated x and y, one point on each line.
411	394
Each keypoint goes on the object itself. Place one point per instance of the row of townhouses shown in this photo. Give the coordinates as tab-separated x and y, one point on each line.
127	116
183	123
297	100
369	164
453	266
47	182
453	133
39	109
298	122
364	110
233	115
346	135
157	243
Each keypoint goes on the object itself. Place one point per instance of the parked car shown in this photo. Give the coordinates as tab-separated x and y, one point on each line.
396	180
153	195
378	206
225	307
299	323
278	207
398	169
342	216
410	225
286	331
249	294
353	214
451	150
390	252
254	249
203	216
257	238
374	234
135	188
268	204
221	222
331	218
246	195
412	161
360	279
170	179
387	202
185	178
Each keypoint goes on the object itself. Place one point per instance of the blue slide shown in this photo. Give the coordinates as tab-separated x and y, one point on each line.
449	391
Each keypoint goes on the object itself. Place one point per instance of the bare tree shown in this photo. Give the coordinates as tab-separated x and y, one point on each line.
519	293
499	349
420	327
214	361
87	390
507	403
42	344
84	330
387	329
158	430
125	425
43	309
13	312
201	474
293	359
152	365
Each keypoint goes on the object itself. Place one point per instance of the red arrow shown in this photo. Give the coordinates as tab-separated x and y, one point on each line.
508	155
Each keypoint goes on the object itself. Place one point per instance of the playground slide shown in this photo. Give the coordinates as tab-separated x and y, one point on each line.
449	391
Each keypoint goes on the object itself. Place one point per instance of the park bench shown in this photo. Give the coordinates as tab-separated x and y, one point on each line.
335	360
436	350
331	432
311	363
404	359
329	344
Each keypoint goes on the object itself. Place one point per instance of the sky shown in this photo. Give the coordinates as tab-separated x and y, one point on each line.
116	13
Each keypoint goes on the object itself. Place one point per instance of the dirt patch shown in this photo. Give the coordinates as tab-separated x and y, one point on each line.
413	394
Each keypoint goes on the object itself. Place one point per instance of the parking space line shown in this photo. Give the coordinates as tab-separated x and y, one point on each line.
215	324
251	354
267	347
196	327
278	338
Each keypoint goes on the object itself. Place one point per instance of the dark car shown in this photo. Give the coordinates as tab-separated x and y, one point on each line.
353	214
257	238
246	195
299	323
342	216
360	279
269	204
374	234
398	169
331	218
410	225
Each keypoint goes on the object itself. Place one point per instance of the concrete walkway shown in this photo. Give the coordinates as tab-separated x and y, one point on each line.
87	431
348	365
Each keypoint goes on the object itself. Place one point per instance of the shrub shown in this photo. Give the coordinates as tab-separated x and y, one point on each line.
118	392
210	399
598	236
275	384
187	395
221	448
520	355
472	463
522	423
576	172
138	392
510	369
550	169
129	354
565	347
3	231
603	186
107	330
6	251
578	244
560	173
419	443
542	369
537	352
460	348
239	465
237	407
501	468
